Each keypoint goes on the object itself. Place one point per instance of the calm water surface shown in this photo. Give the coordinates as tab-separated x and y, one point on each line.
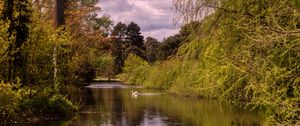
112	104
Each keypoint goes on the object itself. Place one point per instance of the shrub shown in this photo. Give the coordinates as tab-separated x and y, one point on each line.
22	104
10	100
60	105
135	70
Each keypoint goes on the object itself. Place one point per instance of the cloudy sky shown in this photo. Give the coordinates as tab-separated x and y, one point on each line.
155	17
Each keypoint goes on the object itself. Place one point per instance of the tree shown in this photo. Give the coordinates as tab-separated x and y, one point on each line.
134	40
126	39
102	23
152	49
88	37
134	36
118	47
169	46
59	10
17	13
258	38
119	31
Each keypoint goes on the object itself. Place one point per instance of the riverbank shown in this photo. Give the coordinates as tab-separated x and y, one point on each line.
21	105
231	86
266	77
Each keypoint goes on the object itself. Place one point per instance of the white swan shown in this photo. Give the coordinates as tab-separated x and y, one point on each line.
134	93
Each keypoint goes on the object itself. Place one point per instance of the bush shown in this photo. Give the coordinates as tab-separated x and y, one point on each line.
10	100
60	105
23	104
135	70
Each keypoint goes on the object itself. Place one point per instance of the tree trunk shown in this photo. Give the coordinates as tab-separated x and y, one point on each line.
59	13
58	21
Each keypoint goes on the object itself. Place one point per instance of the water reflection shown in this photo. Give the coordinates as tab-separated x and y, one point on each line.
117	107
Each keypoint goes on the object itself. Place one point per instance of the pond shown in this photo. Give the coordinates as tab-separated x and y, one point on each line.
112	104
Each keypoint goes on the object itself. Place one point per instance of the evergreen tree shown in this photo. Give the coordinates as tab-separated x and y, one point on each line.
135	41
119	36
134	36
126	39
152	48
17	14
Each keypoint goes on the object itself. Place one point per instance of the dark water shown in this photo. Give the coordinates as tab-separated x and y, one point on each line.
114	105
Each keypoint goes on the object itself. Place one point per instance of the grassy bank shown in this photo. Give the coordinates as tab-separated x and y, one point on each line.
235	58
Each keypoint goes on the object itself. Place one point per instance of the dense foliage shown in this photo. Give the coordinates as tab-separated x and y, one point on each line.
246	52
32	104
126	39
41	63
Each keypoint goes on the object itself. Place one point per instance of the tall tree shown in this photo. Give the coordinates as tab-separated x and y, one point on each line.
17	15
152	49
135	40
134	36
126	39
118	48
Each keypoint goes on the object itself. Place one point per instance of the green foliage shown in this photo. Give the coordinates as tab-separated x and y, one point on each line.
162	76
159	51
59	104
135	70
15	17
152	48
10	100
20	104
169	47
126	39
246	53
103	65
134	38
27	39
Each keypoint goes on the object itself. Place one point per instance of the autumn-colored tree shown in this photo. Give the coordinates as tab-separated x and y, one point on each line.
89	33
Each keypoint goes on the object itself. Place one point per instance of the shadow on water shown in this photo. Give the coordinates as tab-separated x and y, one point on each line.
112	104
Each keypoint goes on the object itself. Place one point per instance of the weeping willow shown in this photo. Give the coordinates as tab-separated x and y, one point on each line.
246	52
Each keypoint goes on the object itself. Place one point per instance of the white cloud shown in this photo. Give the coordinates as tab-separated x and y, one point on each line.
155	17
